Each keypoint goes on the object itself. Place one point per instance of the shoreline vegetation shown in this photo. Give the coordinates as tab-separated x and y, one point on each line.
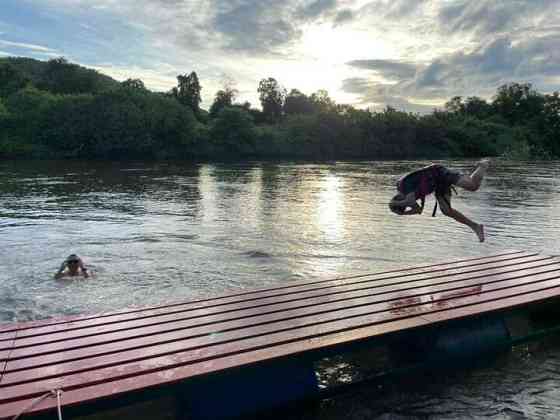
59	110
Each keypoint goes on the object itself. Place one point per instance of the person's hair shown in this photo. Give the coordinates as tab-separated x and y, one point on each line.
397	209
72	257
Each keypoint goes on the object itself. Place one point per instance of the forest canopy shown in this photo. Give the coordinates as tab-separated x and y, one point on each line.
57	109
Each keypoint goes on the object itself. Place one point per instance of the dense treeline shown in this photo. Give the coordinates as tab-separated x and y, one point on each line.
57	109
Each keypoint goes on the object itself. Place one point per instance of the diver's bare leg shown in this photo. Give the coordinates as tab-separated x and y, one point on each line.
472	182
447	210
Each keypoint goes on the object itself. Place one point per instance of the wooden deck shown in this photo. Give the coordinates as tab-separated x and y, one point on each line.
94	357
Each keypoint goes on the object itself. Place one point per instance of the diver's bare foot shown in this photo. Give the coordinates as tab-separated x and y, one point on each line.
484	163
479	230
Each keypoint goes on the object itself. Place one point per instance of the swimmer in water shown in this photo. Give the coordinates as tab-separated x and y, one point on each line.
72	266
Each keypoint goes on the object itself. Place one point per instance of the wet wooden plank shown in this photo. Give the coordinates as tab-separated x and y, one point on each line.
4	357
179	373
132	362
257	293
28	357
205	316
147	318
306	319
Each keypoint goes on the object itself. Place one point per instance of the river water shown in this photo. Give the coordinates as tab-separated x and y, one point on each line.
159	232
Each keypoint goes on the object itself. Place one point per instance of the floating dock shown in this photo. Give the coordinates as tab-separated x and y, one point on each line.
247	337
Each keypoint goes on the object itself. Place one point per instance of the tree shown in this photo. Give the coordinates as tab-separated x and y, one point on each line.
477	107
188	91
11	80
62	77
3	110
455	105
134	84
272	96
518	102
297	103
233	131
322	101
224	98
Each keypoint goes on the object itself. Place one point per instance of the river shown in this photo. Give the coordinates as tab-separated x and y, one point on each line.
159	232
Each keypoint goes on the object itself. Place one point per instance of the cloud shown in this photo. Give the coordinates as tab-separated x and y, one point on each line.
343	16
389	69
407	52
315	9
490	65
393	9
486	17
379	95
25	46
465	73
257	26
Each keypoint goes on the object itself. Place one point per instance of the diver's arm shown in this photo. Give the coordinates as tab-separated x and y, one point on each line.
408	201
416	209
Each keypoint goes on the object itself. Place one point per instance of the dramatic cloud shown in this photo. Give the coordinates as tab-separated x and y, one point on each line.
315	9
255	26
485	17
414	54
395	70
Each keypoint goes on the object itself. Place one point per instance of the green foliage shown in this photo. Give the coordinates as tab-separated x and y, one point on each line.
272	97
134	84
518	103
56	109
224	98
3	110
297	103
62	77
232	131
11	79
188	91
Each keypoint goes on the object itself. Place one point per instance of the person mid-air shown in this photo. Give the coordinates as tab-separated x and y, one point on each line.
439	180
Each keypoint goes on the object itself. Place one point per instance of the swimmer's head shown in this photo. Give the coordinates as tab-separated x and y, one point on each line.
73	263
73	259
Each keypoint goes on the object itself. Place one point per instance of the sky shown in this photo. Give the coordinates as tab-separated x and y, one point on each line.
410	54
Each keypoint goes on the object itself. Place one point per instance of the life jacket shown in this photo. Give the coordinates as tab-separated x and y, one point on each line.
422	182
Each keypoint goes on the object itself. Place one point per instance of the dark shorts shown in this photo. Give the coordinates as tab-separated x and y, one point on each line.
445	179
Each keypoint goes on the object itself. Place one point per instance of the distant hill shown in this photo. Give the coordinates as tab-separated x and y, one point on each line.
56	75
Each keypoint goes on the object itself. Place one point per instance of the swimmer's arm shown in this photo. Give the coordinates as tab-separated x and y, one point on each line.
85	271
60	272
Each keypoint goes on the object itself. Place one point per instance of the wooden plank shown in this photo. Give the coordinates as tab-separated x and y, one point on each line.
190	350
257	293
113	342
216	358
179	373
204	316
4	357
154	317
